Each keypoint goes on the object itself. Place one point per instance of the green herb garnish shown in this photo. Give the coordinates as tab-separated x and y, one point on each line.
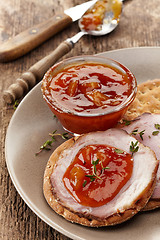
133	147
141	134
126	122
94	166
47	144
84	183
16	103
94	175
155	133
134	132
106	167
157	126
118	150
62	135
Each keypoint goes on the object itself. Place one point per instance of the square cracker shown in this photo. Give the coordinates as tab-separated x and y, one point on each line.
147	99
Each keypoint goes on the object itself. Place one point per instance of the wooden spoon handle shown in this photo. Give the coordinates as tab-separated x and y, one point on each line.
35	73
32	37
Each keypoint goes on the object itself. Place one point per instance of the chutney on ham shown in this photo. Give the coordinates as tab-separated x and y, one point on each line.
100	178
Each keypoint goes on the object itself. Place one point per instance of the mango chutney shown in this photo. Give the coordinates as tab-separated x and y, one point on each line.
88	93
97	174
94	18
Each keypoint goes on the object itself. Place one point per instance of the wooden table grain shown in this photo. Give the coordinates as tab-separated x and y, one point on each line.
139	26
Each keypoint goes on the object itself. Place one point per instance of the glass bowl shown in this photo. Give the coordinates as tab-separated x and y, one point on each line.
88	93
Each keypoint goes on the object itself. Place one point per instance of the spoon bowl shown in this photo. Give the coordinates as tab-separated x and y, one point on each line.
109	21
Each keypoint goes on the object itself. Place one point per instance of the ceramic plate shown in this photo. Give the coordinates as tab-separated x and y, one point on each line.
29	129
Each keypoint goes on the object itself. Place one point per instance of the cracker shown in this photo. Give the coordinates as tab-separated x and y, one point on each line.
147	99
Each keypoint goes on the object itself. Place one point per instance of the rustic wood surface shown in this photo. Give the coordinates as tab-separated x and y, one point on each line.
139	26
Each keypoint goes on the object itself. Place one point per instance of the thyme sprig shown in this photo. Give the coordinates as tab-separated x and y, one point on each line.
117	150
133	147
47	145
103	168
141	134
157	126
135	132
155	133
15	105
84	183
126	122
63	135
94	175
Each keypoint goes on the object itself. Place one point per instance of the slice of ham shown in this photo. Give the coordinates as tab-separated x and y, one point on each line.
148	124
131	198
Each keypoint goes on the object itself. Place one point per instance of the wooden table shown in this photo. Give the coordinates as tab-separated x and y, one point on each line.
139	26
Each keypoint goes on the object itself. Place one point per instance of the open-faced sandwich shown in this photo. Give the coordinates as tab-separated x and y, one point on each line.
101	178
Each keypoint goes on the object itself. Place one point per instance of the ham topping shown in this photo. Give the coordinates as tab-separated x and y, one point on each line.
143	173
146	129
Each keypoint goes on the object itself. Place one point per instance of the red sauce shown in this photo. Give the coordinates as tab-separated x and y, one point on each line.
97	174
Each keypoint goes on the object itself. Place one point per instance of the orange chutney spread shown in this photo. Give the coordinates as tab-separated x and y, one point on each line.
90	95
90	88
97	174
94	17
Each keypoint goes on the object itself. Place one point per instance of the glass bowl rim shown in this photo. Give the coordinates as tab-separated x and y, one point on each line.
89	58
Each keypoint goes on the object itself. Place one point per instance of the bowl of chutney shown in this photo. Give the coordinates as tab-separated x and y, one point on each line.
88	93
